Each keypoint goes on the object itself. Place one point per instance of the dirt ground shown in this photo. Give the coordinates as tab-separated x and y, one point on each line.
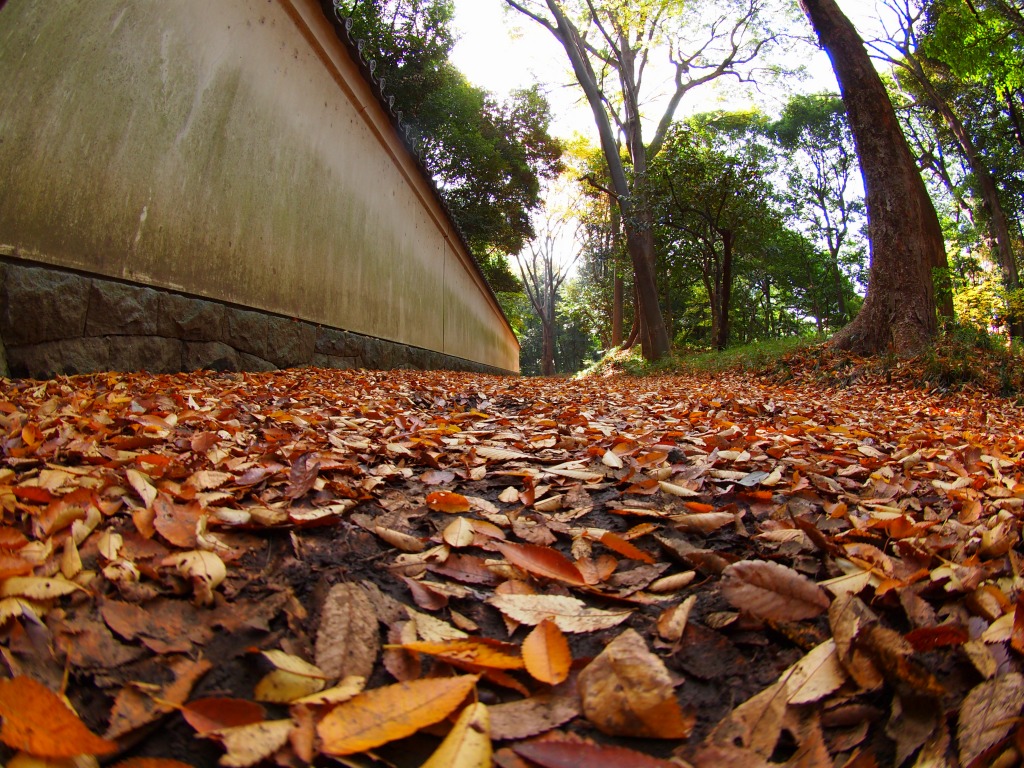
817	573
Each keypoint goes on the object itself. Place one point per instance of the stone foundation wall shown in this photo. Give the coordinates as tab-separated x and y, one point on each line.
58	322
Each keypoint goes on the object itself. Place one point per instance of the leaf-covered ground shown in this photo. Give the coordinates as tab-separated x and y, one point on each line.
366	568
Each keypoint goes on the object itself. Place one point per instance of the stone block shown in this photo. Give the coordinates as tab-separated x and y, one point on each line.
254	363
191	319
116	309
291	342
332	361
248	331
144	353
210	355
331	341
67	356
39	304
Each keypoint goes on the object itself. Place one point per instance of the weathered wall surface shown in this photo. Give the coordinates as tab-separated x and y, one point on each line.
229	151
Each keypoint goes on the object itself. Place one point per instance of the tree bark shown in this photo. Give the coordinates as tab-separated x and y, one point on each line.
721	340
906	239
617	286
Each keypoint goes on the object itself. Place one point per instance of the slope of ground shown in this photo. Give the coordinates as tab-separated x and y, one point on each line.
313	567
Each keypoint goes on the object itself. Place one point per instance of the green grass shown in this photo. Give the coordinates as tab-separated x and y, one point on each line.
757	357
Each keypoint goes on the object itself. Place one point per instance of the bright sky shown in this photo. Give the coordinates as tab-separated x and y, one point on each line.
501	50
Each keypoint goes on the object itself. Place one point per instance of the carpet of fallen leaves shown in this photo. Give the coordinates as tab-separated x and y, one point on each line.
427	568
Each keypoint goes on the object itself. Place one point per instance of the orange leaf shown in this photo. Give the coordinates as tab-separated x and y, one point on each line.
37	721
392	712
213	713
542	561
446	501
546	653
699	506
618	544
476	652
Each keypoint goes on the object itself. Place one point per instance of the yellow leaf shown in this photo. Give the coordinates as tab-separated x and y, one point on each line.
468	744
293	679
37	588
459	533
392	712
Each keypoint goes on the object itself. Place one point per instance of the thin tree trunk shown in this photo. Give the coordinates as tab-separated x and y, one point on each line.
617	285
725	292
906	240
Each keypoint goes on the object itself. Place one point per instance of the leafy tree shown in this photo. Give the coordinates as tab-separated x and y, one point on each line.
899	311
821	158
489	159
713	199
919	76
543	267
610	44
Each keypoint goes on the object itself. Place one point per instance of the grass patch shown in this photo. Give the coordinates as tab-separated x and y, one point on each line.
763	356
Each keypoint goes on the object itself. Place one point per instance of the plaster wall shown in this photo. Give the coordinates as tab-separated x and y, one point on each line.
231	150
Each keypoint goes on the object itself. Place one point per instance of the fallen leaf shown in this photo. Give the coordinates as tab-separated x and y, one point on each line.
447	501
528	717
568	613
249	744
546	653
475	652
348	639
393	712
672	621
37	721
816	675
292	679
572	754
37	587
771	591
627	691
542	561
213	713
468	743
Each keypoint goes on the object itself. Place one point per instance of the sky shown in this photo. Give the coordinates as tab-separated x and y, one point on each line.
501	50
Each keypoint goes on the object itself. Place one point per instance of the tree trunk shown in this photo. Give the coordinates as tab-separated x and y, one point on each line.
547	358
906	240
725	293
617	286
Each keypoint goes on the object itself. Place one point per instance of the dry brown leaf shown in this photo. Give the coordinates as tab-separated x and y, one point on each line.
771	591
816	675
348	638
393	712
568	613
249	744
529	717
571	754
627	691
672	621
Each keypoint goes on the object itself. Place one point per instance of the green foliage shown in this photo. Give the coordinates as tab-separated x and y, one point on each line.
761	356
965	355
488	158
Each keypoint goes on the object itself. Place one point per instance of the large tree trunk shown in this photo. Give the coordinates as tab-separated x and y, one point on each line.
906	239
